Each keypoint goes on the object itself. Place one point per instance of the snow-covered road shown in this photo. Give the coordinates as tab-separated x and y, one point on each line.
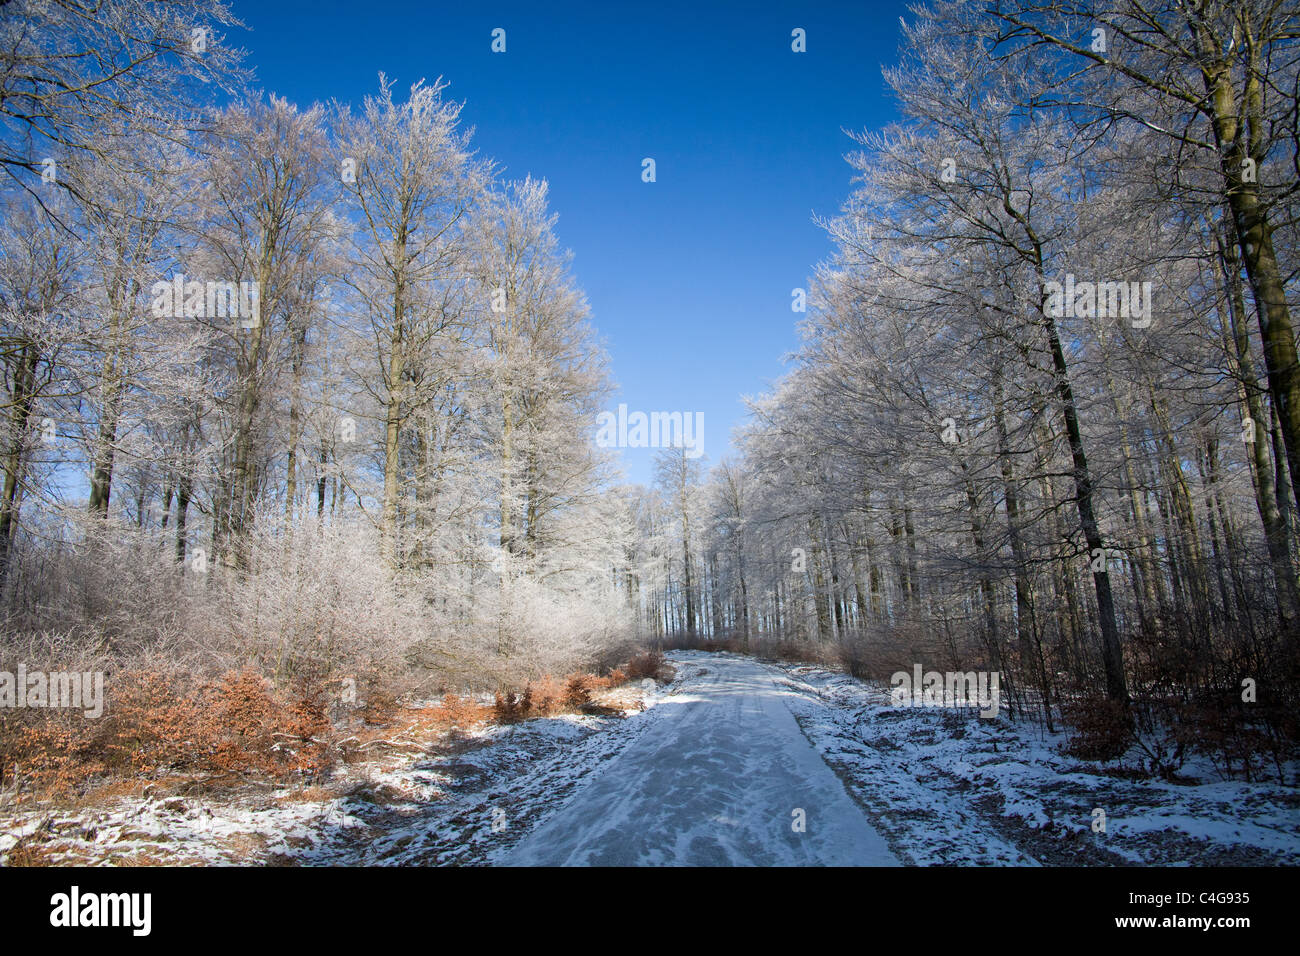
723	776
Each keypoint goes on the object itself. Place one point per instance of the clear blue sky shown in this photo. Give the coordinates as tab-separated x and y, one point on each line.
689	277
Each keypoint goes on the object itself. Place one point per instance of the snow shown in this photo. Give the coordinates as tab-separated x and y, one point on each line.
711	769
949	788
722	777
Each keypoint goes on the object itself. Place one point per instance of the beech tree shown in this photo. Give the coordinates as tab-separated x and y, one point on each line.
79	82
410	181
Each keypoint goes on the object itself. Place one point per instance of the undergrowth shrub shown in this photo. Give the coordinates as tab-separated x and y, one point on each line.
646	664
236	723
1101	729
577	690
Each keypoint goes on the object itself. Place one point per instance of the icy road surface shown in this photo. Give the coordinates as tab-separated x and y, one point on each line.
722	777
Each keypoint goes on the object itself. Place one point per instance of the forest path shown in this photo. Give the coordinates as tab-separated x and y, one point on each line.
722	777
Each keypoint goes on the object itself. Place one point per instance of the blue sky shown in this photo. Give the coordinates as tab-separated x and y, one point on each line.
688	277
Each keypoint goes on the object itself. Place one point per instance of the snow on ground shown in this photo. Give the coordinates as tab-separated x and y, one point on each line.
722	776
948	787
451	804
734	762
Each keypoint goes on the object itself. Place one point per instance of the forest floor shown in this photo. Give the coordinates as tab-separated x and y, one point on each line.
735	761
950	788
